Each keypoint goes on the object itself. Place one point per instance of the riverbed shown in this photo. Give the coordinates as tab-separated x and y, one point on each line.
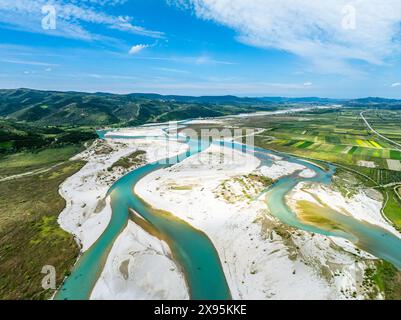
192	249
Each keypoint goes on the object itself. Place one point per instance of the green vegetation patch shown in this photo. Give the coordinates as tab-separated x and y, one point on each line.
387	278
392	210
30	236
381	176
134	159
265	181
396	155
353	150
347	183
333	139
306	144
20	136
21	162
6	146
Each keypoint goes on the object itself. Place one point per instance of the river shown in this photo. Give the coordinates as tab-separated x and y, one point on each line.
192	249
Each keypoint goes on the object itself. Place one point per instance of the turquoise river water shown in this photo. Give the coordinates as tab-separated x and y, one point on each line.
192	249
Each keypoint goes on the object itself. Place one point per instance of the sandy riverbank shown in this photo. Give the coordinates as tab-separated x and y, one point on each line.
139	267
365	205
261	258
216	192
88	213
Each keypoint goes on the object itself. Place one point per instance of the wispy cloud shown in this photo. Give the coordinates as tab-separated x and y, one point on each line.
125	25
314	30
208	60
171	70
73	18
252	88
396	84
137	48
105	77
195	60
27	62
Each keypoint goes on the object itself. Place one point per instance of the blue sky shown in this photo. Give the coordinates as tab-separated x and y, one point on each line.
290	48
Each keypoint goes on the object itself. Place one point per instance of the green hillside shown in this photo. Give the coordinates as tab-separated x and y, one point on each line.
98	109
16	136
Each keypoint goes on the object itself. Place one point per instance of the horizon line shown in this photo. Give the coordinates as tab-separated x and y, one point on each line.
202	96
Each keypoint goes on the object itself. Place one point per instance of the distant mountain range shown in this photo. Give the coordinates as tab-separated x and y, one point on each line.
78	108
96	109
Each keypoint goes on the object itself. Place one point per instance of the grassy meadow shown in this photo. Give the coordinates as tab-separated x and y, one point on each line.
27	161
30	236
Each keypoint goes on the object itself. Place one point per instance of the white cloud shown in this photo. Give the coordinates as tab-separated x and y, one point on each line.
171	70
71	16
26	62
396	84
314	30
308	84
123	24
196	60
137	48
207	60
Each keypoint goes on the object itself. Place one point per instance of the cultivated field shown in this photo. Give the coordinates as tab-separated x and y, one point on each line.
341	136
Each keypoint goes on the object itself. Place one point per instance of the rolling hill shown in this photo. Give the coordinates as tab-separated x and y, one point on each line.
100	109
97	109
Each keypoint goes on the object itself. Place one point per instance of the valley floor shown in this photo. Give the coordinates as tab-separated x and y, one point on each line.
261	257
218	192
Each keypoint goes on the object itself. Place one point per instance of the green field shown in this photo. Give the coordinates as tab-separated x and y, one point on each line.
30	236
21	162
340	137
393	207
387	278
